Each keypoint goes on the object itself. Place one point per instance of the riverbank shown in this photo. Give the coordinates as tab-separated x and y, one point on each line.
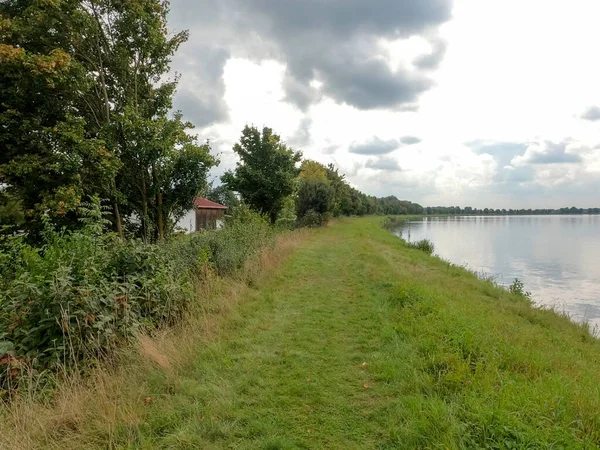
347	339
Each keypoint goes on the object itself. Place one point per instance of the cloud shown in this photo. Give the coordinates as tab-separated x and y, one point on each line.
592	113
200	93
301	137
383	163
374	146
503	152
409	140
336	42
547	152
432	60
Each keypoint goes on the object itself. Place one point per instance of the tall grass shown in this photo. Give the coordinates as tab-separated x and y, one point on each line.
96	409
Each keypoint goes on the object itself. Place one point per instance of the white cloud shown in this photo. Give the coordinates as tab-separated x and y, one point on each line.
515	77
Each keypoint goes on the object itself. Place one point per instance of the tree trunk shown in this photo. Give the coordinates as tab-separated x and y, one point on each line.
118	220
160	217
144	210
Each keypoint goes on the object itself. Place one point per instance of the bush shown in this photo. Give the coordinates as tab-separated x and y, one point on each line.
425	245
314	202
313	219
82	292
518	288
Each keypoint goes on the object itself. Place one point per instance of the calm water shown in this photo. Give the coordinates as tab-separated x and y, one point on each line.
557	257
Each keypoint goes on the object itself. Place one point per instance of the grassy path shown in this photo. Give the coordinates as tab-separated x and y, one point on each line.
357	342
361	343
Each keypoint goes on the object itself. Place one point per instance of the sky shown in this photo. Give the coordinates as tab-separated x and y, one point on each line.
483	103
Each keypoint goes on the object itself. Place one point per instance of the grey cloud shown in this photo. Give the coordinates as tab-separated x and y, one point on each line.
301	137
330	149
410	140
348	17
334	41
509	174
592	113
374	146
368	83
503	152
432	60
298	93
383	163
200	93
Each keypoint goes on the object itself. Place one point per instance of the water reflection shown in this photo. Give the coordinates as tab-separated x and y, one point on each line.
557	257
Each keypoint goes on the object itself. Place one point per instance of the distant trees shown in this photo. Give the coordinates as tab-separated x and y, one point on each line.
266	173
468	210
324	192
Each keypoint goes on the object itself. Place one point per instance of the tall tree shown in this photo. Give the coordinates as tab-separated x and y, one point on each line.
164	169
47	160
266	173
129	50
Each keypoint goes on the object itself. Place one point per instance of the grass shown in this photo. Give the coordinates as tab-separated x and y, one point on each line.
346	338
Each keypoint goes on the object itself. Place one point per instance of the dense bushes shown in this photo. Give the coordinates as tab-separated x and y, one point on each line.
314	202
82	292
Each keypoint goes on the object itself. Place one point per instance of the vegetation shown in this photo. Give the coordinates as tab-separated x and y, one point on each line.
425	245
468	210
354	341
266	173
85	112
357	341
82	293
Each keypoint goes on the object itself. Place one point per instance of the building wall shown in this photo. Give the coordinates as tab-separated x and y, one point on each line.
195	220
188	221
209	219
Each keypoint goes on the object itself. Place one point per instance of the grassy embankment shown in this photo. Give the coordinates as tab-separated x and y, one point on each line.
353	341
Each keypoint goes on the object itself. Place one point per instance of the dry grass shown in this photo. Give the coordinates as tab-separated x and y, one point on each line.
86	412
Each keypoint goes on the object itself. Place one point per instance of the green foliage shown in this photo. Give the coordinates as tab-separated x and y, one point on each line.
518	288
223	196
85	111
425	245
83	292
48	160
164	169
11	213
314	197
266	173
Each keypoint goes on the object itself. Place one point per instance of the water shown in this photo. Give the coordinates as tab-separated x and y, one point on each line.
556	257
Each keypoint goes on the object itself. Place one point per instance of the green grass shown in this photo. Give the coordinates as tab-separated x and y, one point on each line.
359	342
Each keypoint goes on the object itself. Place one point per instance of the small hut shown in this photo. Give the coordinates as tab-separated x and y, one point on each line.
209	215
205	215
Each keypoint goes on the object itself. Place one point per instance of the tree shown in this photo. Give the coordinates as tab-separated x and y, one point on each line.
48	161
164	170
266	173
223	196
128	49
315	196
313	170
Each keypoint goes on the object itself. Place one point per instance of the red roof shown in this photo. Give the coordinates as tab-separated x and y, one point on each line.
204	203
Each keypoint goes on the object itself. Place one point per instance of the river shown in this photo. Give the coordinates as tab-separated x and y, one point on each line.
556	257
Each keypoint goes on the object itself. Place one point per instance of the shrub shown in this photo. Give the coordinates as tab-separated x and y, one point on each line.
314	202
313	219
425	245
82	292
518	288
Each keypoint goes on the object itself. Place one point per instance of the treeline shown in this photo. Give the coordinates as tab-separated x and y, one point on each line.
467	210
268	179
